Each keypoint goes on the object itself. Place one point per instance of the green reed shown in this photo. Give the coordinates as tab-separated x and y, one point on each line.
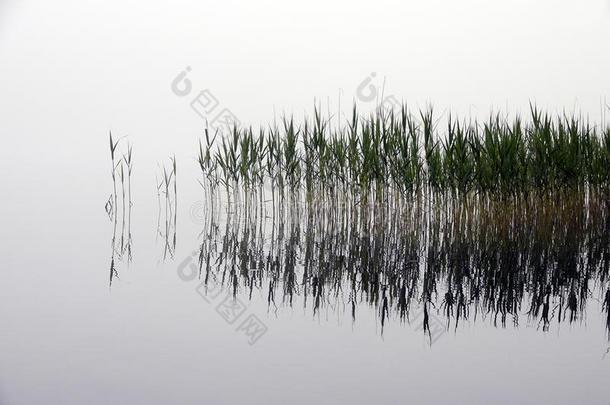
398	153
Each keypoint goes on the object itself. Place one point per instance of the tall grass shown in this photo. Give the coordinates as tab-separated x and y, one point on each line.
395	154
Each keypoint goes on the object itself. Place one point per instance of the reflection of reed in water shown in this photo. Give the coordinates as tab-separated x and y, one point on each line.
123	168
606	308
463	258
166	229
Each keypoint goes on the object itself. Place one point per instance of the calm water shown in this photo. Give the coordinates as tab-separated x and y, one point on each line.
247	307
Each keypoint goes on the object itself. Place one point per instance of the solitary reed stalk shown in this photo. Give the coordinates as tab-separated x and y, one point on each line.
158	184
113	146
175	199
122	172
168	184
123	205
127	158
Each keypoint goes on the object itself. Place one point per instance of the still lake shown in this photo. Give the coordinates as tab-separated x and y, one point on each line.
323	306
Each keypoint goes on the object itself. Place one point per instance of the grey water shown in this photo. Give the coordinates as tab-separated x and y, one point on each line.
247	304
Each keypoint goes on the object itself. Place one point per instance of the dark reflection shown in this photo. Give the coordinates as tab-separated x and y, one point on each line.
119	206
434	261
607	309
167	208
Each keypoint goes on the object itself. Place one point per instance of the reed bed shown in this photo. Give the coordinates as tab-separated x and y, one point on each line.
397	154
495	220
